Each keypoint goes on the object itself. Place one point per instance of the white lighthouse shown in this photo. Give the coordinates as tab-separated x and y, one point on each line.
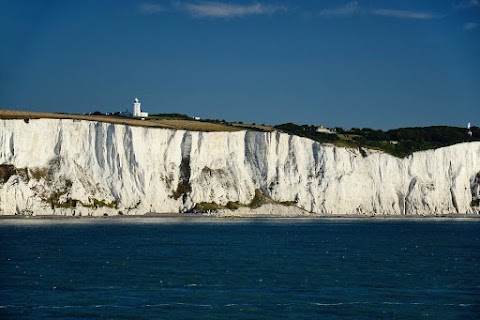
137	111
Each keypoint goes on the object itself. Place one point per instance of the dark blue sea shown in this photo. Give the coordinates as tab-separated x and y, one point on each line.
239	269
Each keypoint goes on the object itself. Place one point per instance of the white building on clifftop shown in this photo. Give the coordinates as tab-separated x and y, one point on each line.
137	111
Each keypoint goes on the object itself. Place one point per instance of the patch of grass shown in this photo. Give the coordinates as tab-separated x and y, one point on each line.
6	171
48	172
288	203
231	205
254	127
23	174
53	198
39	173
176	123
160	116
210	172
95	203
259	199
168	181
203	207
183	187
56	196
67	204
55	202
347	137
134	206
101	204
193	125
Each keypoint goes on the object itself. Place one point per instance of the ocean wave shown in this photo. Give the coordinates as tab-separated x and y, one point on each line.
326	304
95	306
238	305
338	303
191	285
176	304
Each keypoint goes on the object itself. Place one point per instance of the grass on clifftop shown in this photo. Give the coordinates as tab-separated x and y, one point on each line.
156	122
397	142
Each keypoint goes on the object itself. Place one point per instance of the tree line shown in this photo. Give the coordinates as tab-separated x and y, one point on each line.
398	142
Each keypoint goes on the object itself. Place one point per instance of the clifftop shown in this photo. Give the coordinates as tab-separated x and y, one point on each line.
150	122
398	142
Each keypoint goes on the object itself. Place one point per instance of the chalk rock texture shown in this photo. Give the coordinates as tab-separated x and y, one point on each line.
73	167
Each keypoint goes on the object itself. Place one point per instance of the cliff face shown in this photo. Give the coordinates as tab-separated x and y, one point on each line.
90	168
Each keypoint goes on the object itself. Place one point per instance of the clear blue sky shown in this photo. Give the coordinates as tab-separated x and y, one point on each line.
377	63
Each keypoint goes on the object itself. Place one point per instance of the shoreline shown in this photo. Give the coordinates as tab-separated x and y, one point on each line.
232	217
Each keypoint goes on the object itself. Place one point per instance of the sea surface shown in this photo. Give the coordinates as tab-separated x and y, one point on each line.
239	269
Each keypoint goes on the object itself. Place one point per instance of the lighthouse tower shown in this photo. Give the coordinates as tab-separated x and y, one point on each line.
136	108
137	111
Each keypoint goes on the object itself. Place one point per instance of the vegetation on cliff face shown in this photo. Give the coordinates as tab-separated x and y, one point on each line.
51	189
475	190
6	171
259	199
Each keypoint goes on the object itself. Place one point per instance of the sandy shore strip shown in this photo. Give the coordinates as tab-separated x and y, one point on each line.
152	217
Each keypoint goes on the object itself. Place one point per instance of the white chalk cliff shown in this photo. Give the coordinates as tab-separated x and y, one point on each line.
67	167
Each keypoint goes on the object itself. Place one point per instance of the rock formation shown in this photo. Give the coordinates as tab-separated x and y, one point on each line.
73	167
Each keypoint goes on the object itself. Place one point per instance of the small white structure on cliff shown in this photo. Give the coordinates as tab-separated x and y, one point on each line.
322	129
137	111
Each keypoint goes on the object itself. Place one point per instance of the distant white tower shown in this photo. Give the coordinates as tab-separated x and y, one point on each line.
137	111
136	108
468	125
